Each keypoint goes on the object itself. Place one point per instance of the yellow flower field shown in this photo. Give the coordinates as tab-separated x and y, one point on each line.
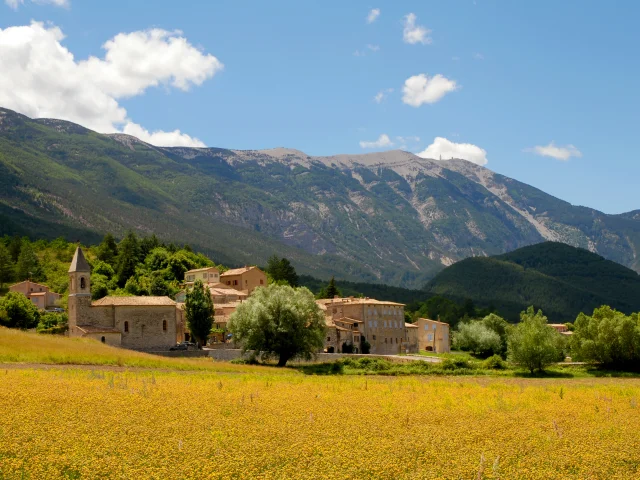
103	423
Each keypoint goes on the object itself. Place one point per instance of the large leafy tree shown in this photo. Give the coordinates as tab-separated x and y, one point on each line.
17	311
279	322
280	269
198	308
532	343
608	337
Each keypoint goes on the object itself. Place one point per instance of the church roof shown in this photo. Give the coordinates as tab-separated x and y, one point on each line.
134	301
79	263
96	329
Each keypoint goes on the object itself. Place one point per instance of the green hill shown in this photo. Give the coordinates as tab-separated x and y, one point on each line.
560	279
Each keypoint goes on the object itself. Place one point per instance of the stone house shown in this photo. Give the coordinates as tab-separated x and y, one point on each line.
380	323
139	323
219	294
206	275
245	279
342	331
433	336
410	344
40	295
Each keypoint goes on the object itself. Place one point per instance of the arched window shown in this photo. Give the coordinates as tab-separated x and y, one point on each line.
126	327
102	339
164	325
82	282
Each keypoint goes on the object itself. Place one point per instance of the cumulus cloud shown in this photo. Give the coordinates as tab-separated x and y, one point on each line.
443	149
41	78
382	141
58	3
557	152
421	89
382	94
160	138
478	56
413	33
373	15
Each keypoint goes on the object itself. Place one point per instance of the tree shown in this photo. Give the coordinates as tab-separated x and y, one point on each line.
279	322
280	269
532	343
108	249
18	311
128	252
608	337
477	338
330	291
198	308
6	265
500	326
28	266
15	245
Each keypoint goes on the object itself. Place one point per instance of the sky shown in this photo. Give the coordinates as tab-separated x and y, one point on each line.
544	92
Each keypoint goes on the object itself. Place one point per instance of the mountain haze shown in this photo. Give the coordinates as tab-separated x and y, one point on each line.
388	217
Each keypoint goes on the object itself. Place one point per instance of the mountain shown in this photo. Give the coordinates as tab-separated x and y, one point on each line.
388	217
561	279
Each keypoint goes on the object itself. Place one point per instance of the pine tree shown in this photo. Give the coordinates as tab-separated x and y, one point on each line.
128	252
199	312
28	267
108	250
15	245
332	289
6	266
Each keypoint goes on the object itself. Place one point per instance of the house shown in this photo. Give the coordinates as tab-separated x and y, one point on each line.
380	323
433	336
411	338
41	296
219	294
222	313
206	275
245	279
139	323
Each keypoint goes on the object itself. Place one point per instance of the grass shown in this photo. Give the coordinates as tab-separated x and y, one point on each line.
24	347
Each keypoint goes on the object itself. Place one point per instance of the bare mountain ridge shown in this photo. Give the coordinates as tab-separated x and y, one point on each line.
388	217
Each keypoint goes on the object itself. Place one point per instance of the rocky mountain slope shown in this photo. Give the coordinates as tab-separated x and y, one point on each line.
386	217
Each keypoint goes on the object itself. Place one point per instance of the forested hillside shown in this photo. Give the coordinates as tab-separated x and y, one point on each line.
390	217
560	279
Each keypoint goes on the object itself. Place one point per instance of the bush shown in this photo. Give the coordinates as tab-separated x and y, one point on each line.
365	347
17	311
347	347
495	362
477	338
453	363
53	323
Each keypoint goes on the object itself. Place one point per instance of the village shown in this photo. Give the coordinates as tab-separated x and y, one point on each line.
147	323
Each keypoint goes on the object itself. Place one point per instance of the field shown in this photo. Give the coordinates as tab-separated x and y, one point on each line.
238	421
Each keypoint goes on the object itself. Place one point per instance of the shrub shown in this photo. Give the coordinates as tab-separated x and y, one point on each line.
476	337
495	362
18	311
455	363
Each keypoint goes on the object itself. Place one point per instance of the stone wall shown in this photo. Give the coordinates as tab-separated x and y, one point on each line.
146	326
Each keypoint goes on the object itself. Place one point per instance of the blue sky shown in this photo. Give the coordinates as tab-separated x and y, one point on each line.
513	76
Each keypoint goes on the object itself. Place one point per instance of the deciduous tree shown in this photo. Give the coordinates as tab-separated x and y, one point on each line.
18	311
532	343
279	322
199	311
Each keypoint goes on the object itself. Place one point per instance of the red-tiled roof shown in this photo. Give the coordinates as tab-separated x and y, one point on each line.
134	301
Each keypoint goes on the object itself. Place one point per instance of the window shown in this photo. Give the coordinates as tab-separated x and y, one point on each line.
374	337
426	327
164	325
385	339
328	339
246	282
385	324
82	282
430	337
434	326
235	282
370	324
375	323
126	327
261	282
102	340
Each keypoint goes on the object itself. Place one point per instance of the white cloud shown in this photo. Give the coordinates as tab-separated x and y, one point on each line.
444	149
554	151
373	15
41	78
382	141
413	33
160	138
421	89
58	3
382	94
373	48
478	56
363	52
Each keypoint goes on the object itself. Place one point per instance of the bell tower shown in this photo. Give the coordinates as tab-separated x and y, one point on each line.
79	292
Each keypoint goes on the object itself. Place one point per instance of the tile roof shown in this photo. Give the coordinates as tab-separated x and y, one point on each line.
29	282
79	263
410	325
434	321
354	301
201	270
134	301
348	320
236	271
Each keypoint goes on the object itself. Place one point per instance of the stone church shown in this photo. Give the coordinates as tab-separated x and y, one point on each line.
139	323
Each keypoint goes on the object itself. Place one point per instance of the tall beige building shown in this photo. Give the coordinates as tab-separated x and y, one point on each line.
378	322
